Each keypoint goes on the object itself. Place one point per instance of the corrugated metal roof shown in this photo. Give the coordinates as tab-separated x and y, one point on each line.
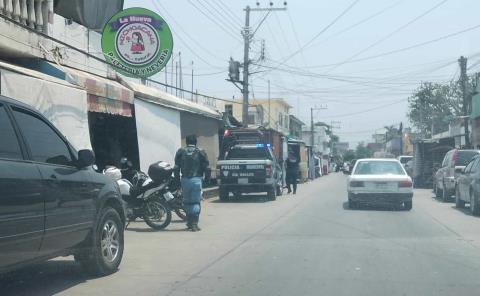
160	97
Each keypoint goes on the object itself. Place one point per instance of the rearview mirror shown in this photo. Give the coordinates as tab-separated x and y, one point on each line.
85	158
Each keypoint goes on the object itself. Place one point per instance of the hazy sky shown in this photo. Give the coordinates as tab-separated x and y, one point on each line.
362	91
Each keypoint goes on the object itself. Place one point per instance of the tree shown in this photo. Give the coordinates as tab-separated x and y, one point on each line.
362	151
391	133
432	105
349	155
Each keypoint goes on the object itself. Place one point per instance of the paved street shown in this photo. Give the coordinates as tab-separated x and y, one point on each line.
308	244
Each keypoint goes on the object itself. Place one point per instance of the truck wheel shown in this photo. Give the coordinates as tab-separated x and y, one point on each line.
279	190
474	206
407	205
223	195
271	194
103	251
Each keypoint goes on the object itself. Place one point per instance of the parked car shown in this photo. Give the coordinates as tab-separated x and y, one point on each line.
379	181
52	202
409	168
404	159
467	188
445	178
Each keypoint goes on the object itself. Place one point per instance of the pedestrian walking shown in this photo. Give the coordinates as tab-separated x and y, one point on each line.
292	173
191	163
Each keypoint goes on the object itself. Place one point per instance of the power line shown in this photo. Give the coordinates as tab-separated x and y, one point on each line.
157	5
228	11
402	49
366	110
215	21
334	21
220	16
362	21
386	37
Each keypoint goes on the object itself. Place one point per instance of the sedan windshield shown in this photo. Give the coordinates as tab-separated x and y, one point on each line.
378	168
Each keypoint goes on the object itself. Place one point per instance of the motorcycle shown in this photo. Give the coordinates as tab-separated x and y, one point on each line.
146	196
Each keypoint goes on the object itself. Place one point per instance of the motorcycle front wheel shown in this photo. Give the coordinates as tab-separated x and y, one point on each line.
157	214
181	214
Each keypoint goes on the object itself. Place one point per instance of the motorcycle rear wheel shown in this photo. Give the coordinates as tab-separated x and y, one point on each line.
157	214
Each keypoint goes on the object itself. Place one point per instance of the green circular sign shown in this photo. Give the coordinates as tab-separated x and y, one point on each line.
137	42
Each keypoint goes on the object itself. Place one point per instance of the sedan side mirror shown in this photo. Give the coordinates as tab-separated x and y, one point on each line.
85	158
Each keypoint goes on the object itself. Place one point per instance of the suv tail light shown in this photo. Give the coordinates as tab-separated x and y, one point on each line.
454	158
357	184
268	170
405	184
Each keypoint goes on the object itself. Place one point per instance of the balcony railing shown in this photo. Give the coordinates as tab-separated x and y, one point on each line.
33	13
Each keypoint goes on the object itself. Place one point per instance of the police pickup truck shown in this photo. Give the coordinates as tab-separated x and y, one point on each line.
250	168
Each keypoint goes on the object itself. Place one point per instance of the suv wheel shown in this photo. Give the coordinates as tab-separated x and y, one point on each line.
459	204
438	192
474	206
104	250
445	194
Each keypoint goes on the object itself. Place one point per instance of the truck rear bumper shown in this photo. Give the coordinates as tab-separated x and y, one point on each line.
247	188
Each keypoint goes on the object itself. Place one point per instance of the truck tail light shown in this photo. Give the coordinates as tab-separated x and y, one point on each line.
357	184
268	170
405	184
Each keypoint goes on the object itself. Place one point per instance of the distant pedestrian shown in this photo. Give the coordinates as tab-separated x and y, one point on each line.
192	163
292	172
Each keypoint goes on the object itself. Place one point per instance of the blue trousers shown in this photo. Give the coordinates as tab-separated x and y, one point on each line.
192	194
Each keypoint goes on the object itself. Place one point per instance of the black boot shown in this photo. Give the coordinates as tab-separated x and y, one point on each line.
195	227
189	222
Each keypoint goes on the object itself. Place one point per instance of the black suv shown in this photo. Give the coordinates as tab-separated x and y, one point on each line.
52	202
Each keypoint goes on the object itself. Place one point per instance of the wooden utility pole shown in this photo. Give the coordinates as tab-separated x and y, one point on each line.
465	108
247	38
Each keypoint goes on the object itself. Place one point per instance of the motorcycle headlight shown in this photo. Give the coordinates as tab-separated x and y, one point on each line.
168	196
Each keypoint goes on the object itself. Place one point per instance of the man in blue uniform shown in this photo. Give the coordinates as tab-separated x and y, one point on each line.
192	163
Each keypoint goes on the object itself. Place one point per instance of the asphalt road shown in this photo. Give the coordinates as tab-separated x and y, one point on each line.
308	244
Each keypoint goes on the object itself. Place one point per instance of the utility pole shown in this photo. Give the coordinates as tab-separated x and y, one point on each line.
192	81
333	125
247	38
312	125
463	81
246	62
269	103
176	79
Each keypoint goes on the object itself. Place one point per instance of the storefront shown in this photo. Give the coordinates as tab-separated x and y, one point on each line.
163	122
63	103
111	116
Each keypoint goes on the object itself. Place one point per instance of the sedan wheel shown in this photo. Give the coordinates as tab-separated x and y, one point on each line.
459	204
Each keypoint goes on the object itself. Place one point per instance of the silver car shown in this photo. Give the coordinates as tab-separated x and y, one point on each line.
445	178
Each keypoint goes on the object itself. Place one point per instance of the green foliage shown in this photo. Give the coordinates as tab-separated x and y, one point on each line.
362	151
349	155
432	104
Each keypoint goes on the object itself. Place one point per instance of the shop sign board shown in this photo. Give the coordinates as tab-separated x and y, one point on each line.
137	42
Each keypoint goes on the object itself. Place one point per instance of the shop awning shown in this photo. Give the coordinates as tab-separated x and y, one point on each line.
64	104
157	96
104	95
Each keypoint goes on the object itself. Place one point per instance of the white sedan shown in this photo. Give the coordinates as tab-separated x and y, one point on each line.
379	181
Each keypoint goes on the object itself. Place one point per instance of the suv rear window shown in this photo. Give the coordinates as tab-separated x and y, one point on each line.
248	153
464	157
